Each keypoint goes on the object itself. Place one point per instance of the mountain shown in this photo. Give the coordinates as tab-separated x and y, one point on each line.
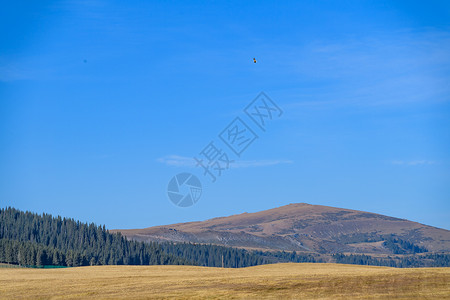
305	227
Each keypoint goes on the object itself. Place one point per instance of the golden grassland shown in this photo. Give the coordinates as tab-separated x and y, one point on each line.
279	281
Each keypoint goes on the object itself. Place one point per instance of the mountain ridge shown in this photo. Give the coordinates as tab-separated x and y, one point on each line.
304	227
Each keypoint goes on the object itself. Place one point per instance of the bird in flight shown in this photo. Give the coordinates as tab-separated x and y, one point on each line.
254	60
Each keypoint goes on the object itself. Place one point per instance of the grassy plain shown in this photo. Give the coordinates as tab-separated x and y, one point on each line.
279	281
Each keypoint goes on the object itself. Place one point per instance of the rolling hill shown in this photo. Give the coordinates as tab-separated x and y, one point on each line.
305	227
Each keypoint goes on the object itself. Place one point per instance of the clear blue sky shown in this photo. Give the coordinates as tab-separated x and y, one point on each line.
102	102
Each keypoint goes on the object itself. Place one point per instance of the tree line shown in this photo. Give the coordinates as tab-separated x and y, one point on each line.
399	246
30	239
403	261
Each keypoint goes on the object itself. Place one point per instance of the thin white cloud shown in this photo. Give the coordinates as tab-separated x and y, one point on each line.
183	161
11	72
392	68
177	161
102	156
259	163
413	162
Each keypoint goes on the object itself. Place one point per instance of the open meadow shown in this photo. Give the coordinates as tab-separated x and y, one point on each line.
280	281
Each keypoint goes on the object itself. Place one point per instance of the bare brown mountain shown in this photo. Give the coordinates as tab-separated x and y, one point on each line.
305	227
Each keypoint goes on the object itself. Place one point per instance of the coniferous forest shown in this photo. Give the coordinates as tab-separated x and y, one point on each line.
30	239
33	240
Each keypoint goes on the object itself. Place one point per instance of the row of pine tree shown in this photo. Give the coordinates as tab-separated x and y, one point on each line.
30	239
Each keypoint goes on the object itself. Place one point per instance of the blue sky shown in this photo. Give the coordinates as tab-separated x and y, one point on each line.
102	102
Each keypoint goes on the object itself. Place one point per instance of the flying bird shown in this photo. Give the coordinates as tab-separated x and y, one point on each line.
254	60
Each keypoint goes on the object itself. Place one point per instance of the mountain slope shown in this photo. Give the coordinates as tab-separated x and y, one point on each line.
305	227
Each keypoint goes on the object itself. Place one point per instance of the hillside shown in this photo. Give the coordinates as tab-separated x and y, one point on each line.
305	227
278	281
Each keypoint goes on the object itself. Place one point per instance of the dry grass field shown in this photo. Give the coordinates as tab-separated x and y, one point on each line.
280	281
